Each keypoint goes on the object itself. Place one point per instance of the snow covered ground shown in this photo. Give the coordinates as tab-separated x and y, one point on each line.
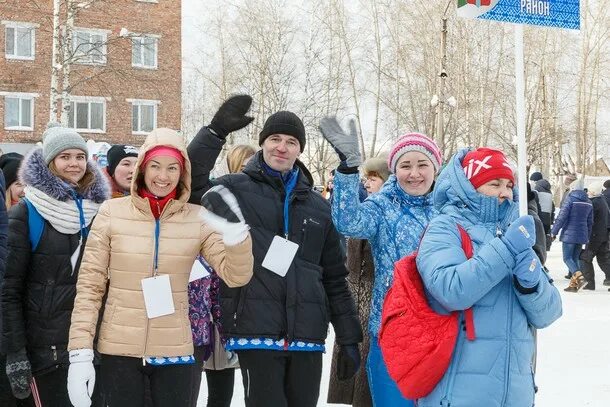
573	354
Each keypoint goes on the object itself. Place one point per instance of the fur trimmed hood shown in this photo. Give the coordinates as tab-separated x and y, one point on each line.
36	173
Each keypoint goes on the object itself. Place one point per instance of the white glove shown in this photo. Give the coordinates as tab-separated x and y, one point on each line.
232	233
81	377
233	228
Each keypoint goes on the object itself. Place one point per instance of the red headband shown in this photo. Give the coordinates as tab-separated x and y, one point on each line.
165	151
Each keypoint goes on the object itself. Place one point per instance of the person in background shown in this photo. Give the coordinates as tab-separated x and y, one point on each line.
62	196
392	220
330	185
9	164
606	194
532	210
535	177
598	239
121	165
136	341
355	391
564	189
376	173
547	207
575	222
7	399
503	282
238	157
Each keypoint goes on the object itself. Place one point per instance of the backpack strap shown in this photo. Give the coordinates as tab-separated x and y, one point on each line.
35	224
468	314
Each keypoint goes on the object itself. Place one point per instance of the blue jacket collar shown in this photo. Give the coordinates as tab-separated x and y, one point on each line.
454	193
392	190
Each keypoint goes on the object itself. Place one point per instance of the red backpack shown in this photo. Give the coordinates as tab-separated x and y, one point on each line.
415	341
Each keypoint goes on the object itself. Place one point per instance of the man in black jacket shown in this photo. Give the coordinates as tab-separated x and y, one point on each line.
278	322
598	240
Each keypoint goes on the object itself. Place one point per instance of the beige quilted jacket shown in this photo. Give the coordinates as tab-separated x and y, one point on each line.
119	254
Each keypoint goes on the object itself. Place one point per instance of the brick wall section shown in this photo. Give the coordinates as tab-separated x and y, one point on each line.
117	80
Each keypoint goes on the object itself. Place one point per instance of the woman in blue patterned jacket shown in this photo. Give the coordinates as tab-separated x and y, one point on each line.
502	282
392	220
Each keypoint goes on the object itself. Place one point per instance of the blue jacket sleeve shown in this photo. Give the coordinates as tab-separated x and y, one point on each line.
590	222
454	281
350	216
564	213
543	306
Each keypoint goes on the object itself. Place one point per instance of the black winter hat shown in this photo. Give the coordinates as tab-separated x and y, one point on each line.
116	153
607	184
283	122
9	163
536	176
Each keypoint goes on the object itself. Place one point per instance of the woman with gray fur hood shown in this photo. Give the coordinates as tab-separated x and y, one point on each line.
47	234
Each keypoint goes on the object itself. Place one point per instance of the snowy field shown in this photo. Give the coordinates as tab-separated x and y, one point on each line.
573	354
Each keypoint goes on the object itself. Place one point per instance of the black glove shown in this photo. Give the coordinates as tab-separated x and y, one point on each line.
19	373
220	201
231	115
348	361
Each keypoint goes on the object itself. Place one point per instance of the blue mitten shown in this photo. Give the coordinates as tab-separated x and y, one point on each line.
528	269
520	235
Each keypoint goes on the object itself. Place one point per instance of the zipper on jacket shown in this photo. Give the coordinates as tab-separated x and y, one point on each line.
508	342
54	349
445	401
154	273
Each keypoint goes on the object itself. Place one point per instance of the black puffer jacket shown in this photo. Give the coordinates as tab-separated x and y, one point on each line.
599	231
40	286
314	292
3	240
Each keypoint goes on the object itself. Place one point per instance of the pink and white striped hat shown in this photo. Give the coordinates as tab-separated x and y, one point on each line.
415	142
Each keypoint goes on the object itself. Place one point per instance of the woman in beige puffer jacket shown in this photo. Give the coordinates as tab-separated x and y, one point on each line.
120	253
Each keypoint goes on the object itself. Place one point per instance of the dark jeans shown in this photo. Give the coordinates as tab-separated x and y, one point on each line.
280	379
220	387
124	381
602	253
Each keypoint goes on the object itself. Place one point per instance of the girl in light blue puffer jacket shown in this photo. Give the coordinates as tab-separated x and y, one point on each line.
502	282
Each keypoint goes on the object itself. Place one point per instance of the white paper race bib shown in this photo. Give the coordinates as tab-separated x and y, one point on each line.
280	255
198	271
158	296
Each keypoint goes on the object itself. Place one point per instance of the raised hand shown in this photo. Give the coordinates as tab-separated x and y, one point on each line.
346	145
223	215
231	115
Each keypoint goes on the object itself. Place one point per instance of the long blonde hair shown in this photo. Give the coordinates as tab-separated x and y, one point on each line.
8	200
237	155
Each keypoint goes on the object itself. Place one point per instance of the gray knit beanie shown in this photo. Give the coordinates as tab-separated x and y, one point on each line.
57	138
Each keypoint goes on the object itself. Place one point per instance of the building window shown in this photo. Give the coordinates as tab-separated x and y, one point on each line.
88	114
19	111
89	46
19	40
143	115
144	52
